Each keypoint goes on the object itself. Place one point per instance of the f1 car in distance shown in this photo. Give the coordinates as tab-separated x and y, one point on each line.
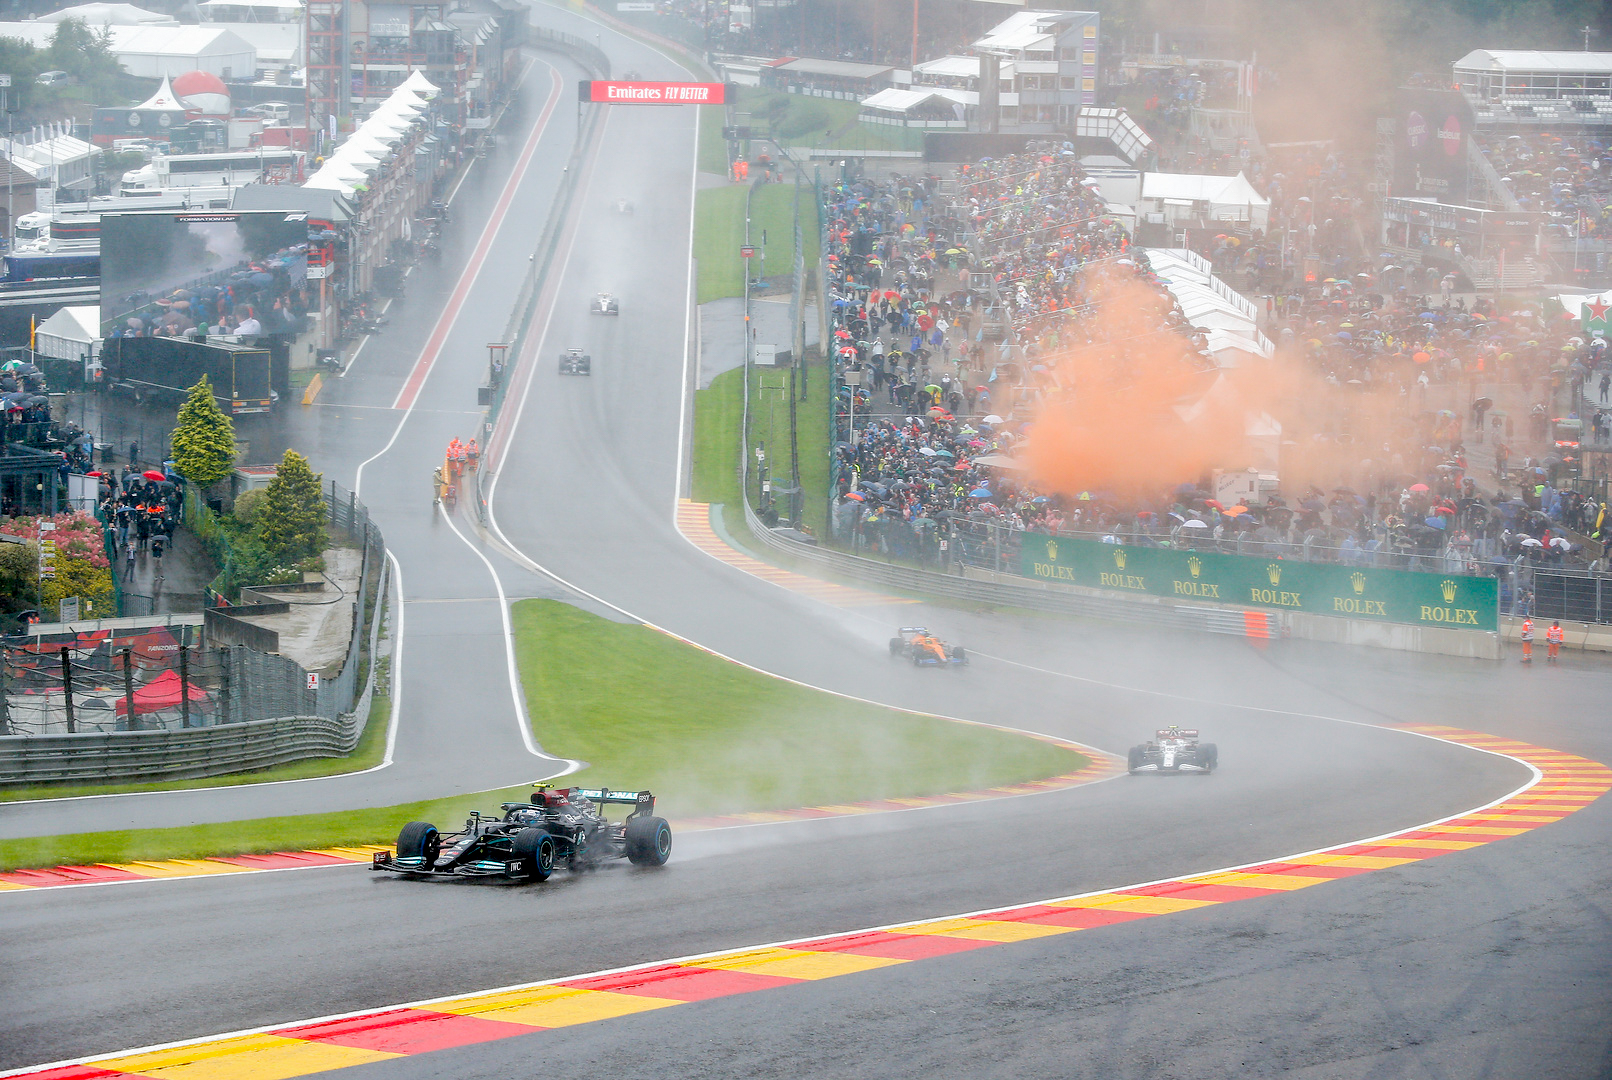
917	644
558	827
573	362
1174	750
623	206
605	304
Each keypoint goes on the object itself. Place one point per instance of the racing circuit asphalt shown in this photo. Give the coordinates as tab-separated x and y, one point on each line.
1492	962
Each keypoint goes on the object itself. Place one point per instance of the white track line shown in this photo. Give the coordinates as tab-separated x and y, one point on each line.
696	957
522	720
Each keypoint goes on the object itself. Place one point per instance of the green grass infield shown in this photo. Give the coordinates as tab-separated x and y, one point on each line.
645	711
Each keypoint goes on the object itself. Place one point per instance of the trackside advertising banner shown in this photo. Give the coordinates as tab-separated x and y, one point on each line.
1401	596
655	93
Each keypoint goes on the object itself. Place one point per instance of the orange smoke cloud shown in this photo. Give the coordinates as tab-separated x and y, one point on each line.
1123	417
1137	411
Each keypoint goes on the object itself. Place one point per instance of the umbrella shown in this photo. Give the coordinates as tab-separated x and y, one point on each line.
1561	543
992	419
1193	524
1418	487
980	493
857	495
1236	510
926	451
1435	523
152	474
1529	541
944	453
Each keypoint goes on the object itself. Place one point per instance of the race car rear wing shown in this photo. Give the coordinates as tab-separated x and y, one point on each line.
913	630
1183	733
643	802
619	798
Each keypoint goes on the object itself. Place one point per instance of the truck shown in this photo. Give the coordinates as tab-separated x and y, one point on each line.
164	369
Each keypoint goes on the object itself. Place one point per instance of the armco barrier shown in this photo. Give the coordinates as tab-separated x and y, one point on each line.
186	753
1002	590
112	756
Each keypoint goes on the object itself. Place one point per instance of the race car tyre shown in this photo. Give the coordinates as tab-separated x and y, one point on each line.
1134	759
959	655
537	849
419	840
1208	755
895	647
649	841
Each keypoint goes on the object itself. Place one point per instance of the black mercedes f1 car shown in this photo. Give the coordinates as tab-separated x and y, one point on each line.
575	362
559	827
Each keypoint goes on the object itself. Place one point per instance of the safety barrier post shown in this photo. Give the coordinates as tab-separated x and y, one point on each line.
128	689
184	678
67	688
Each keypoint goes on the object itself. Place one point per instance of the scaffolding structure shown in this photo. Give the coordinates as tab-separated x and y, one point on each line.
327	63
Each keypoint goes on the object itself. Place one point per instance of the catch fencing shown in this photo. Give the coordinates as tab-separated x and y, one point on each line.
984	589
164	698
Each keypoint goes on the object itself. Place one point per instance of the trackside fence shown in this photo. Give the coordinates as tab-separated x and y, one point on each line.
128	700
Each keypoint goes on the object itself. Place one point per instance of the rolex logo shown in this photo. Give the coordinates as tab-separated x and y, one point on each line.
1194	565
1274	572
1447	587
1358	580
1052	551
1119	558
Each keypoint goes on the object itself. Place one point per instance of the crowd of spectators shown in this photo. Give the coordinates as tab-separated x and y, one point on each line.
947	304
1567	177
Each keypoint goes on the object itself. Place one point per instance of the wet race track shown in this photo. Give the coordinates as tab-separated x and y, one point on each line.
1494	961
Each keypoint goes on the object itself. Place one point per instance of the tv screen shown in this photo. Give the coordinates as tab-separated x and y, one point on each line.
196	273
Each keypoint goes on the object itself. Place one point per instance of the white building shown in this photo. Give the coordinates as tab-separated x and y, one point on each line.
155	52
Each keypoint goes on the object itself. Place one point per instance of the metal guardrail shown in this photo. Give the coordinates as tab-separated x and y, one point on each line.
110	756
1036	597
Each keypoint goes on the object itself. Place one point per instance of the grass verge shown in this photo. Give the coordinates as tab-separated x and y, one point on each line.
719	233
710	736
820	123
718	413
706	735
713	153
371	748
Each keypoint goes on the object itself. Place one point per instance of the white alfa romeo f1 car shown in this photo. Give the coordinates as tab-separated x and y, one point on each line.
1174	750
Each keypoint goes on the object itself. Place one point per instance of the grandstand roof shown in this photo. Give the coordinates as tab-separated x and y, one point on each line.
1534	60
895	99
1026	30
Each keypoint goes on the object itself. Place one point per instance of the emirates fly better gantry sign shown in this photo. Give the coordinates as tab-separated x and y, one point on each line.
656	93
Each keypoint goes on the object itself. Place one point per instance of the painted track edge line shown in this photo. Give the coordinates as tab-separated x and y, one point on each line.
693	959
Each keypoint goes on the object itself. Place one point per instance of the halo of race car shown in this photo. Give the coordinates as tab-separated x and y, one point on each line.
557	827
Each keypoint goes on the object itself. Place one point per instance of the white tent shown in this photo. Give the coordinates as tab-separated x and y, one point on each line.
419	84
1182	197
73	333
163	99
99	15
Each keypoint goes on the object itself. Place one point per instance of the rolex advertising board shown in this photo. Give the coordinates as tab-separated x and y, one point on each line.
1400	596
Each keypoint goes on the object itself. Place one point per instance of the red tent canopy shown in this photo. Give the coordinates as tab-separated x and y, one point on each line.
160	693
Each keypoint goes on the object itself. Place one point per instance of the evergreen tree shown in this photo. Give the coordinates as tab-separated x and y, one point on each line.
291	521
204	440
